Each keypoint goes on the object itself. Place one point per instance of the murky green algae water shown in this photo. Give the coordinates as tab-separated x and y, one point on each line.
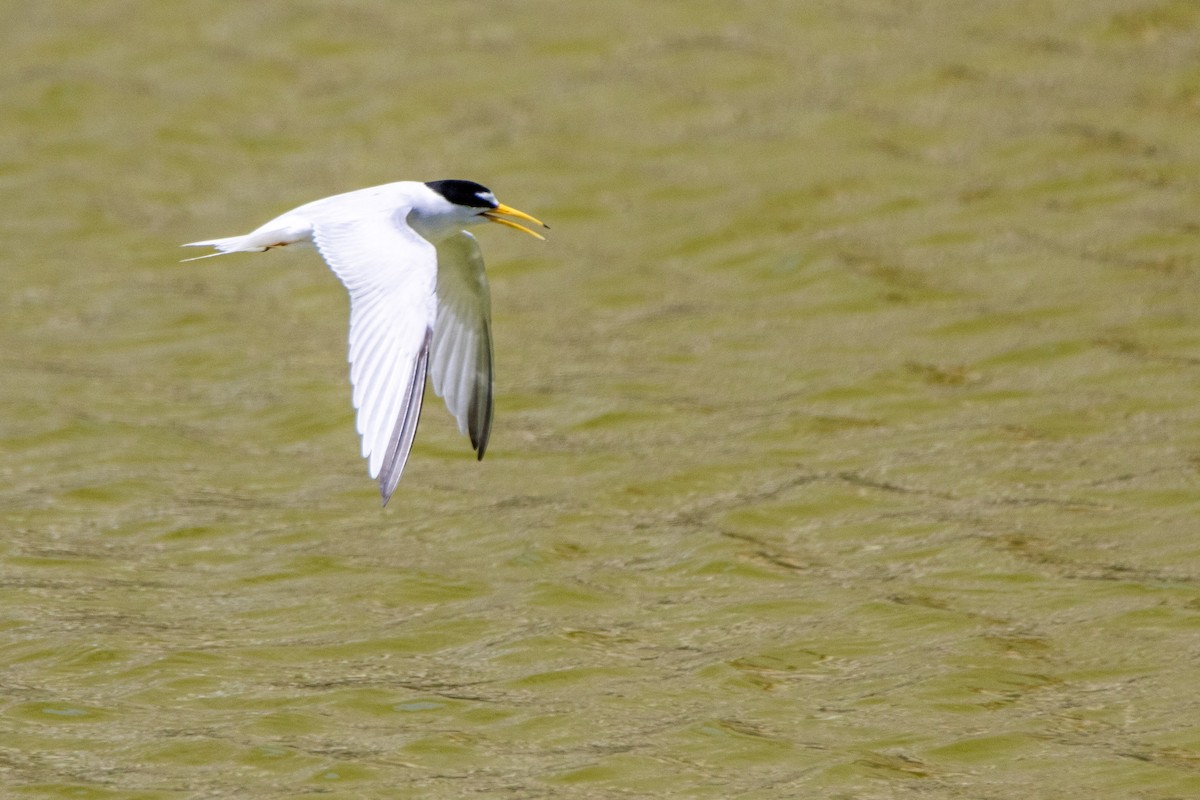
846	441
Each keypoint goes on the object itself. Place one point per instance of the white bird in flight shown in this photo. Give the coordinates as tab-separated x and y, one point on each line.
419	303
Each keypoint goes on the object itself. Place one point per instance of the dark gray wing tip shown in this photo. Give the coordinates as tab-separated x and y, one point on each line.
479	420
406	425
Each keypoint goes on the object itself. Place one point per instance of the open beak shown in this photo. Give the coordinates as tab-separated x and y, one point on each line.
509	211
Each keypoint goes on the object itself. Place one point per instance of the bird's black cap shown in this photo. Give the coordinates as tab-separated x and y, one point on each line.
464	193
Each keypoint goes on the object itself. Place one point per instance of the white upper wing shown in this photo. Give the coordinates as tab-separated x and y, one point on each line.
391	274
461	358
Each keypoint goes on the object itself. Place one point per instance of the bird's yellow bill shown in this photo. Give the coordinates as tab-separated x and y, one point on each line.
512	212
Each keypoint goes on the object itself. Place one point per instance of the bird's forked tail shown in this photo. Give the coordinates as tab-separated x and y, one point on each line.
230	244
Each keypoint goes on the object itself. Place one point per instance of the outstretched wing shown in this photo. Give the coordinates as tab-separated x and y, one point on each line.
391	275
461	359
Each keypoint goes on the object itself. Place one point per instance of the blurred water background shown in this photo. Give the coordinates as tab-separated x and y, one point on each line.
846	439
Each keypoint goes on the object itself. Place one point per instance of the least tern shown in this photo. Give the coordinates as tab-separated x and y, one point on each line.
419	302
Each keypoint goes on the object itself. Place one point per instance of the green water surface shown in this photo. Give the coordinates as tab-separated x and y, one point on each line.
846	440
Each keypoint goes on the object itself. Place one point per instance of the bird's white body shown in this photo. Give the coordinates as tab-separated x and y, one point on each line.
412	202
419	304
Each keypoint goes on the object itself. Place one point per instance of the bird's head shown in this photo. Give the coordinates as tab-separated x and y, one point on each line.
474	203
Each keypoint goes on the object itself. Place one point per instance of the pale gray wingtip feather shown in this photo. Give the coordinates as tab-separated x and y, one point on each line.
461	358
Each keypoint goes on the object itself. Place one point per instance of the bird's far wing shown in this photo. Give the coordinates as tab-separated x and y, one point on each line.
461	360
391	274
